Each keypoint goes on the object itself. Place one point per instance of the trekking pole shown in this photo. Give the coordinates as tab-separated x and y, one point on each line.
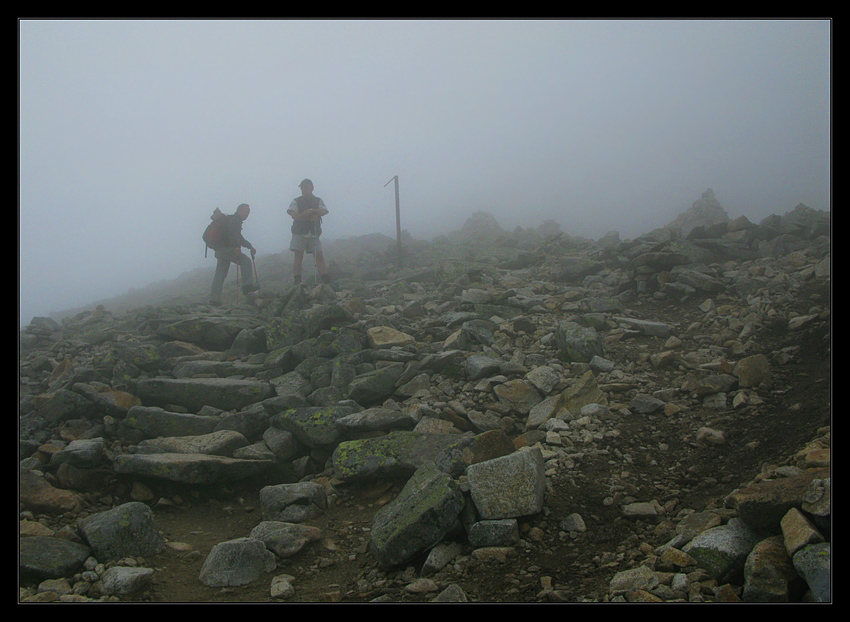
237	283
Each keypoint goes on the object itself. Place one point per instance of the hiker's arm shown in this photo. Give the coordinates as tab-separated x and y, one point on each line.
307	214
247	244
293	211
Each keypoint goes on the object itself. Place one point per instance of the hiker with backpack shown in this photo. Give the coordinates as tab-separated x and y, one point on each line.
307	212
224	236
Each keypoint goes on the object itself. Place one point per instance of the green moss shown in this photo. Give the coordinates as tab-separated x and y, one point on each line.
323	416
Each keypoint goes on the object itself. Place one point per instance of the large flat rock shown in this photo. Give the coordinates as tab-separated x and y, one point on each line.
189	468
195	393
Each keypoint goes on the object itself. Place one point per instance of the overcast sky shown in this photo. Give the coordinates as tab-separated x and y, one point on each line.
131	132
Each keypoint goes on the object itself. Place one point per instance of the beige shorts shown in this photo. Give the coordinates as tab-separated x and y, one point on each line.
309	244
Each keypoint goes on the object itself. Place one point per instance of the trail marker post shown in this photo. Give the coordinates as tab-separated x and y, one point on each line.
397	219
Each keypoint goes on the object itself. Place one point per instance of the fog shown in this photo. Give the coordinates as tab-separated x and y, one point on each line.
131	132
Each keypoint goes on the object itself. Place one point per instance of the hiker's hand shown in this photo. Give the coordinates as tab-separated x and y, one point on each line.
253	251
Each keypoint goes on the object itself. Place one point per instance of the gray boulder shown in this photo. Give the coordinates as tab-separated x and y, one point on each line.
502	532
642	578
196	469
399	454
722	551
481	365
250	423
424	512
509	486
151	421
37	494
293	503
124	580
699	280
124	531
544	378
578	344
195	393
375	386
376	419
763	504
217	333
81	453
221	443
518	395
62	405
285	539
236	562
106	400
314	426
292	383
281	443
814	563
647	327
769	572
43	557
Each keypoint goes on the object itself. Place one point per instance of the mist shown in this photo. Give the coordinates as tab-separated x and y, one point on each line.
132	132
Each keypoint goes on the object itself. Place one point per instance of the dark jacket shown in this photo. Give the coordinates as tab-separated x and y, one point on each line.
303	227
232	231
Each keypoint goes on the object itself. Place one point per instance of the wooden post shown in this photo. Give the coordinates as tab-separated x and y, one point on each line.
397	219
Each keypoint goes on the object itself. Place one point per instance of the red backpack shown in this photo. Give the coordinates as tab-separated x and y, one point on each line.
214	233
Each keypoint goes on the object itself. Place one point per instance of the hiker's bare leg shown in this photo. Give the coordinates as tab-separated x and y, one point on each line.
320	263
297	265
321	267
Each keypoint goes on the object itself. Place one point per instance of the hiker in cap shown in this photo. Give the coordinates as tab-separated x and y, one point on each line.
307	212
228	249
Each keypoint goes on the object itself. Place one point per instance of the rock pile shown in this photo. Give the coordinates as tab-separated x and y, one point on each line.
770	543
705	213
476	385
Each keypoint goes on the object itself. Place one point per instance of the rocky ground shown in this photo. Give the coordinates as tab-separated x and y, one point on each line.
708	375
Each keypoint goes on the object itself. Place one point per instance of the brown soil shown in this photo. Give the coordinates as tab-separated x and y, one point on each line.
654	457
